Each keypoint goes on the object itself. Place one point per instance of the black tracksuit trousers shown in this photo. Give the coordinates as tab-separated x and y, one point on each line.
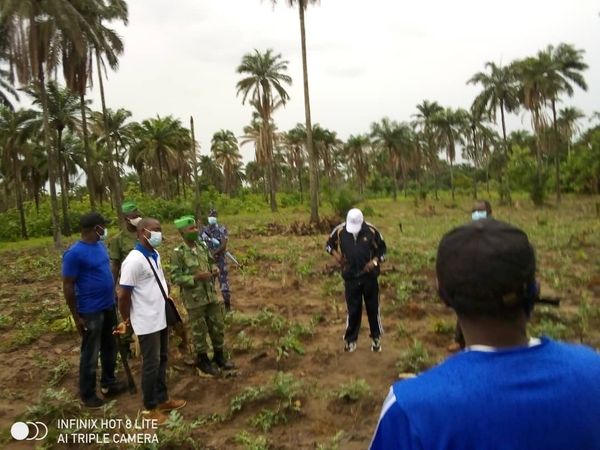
356	289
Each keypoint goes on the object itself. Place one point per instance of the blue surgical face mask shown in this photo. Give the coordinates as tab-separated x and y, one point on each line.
478	215
155	238
104	234
212	220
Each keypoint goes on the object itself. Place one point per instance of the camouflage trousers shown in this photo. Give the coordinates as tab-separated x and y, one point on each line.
207	320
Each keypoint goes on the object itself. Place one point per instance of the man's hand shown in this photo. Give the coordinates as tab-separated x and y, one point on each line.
203	276
371	265
80	325
339	258
121	328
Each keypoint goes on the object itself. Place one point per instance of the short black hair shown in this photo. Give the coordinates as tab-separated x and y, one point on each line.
91	220
486	267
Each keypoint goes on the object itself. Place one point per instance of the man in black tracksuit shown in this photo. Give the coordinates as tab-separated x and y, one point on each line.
359	249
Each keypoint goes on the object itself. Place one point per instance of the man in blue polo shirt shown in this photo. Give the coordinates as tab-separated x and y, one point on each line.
89	292
505	390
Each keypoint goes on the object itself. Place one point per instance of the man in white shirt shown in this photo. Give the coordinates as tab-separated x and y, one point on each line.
142	306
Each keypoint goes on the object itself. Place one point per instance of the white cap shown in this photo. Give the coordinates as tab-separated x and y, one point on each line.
354	220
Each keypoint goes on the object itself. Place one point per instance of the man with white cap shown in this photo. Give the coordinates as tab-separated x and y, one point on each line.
359	248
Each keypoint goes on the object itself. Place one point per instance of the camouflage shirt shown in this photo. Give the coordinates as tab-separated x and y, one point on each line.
120	246
186	262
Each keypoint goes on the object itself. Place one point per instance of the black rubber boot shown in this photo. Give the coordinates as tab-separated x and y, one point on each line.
205	365
220	360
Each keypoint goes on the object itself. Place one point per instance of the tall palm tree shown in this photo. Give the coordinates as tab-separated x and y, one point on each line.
499	92
567	124
7	88
312	156
478	137
263	82
426	111
225	150
16	127
158	142
64	113
33	28
384	134
565	64
295	140
533	86
449	124
357	148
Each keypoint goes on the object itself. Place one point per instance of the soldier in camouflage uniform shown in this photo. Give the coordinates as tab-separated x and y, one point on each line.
192	269
215	236
119	247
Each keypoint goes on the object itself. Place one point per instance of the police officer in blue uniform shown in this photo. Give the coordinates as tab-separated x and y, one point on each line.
215	236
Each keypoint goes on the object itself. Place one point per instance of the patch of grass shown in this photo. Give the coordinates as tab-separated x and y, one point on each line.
353	391
415	359
242	342
550	328
248	395
443	327
252	442
59	372
333	443
401	330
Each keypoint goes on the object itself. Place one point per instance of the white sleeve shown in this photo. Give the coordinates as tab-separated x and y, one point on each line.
130	270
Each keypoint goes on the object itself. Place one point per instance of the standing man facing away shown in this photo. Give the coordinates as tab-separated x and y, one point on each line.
193	271
215	236
506	390
359	249
142	306
482	209
118	249
88	288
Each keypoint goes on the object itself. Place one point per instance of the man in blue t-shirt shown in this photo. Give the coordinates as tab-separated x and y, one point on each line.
88	288
505	390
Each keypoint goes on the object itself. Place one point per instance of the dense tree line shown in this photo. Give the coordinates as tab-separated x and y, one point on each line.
51	52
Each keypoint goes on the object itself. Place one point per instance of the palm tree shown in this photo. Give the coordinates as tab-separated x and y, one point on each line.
263	82
32	31
16	127
567	124
254	175
384	134
424	121
565	64
478	138
159	141
295	140
312	156
449	124
63	113
533	86
499	92
225	150
211	174
357	148
6	80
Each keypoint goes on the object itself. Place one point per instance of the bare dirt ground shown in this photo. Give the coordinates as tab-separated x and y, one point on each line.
285	335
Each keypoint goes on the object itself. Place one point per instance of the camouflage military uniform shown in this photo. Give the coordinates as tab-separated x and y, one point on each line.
118	248
219	233
199	297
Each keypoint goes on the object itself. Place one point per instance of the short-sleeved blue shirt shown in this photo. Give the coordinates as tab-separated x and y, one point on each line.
89	265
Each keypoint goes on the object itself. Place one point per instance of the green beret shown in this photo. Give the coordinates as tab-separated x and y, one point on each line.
129	206
184	222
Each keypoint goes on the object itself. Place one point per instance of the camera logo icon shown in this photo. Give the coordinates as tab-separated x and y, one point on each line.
29	431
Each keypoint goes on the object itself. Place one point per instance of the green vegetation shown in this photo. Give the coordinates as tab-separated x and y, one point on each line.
353	391
415	359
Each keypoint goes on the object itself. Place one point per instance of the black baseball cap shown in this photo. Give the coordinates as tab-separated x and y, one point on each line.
485	267
90	220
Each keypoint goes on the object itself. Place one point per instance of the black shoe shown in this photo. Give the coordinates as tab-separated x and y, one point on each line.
205	365
114	389
94	402
220	360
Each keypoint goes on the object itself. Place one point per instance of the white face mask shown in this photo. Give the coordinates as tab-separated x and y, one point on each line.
155	238
478	215
135	221
212	220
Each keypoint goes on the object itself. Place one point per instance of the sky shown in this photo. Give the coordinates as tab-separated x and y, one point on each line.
366	59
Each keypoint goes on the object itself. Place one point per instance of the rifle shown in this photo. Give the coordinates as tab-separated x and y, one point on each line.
213	243
123	352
